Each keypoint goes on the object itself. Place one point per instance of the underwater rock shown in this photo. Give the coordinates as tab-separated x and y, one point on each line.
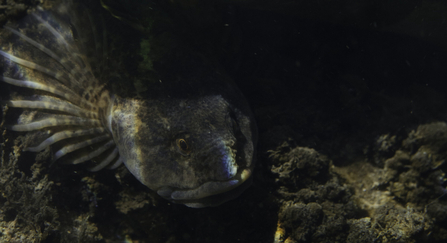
404	199
15	8
315	205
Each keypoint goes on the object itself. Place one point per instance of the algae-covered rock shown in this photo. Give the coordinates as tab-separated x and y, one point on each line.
29	211
315	207
403	197
15	9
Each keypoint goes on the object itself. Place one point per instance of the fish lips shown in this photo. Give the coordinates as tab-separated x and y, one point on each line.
209	194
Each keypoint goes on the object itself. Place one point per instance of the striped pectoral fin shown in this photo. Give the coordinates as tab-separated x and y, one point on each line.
62	106
72	69
52	58
65	135
53	51
54	122
73	147
94	153
100	149
55	88
36	85
106	161
116	164
82	145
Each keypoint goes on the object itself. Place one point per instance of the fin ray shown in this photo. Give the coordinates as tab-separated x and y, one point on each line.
106	161
64	135
32	65
69	69
61	106
58	37
117	163
57	75
94	153
53	122
73	147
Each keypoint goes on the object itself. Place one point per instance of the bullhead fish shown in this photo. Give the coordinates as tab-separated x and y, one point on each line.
190	138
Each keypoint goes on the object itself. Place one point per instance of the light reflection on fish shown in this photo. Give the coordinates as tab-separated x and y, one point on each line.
194	148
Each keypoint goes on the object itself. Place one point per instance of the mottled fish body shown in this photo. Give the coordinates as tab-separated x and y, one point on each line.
192	142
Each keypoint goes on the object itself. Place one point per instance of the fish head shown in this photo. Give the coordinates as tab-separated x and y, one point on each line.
198	152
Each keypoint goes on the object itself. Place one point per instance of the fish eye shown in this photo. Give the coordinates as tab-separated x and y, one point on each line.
183	146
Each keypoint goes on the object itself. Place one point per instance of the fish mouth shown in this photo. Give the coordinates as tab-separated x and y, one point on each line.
212	193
